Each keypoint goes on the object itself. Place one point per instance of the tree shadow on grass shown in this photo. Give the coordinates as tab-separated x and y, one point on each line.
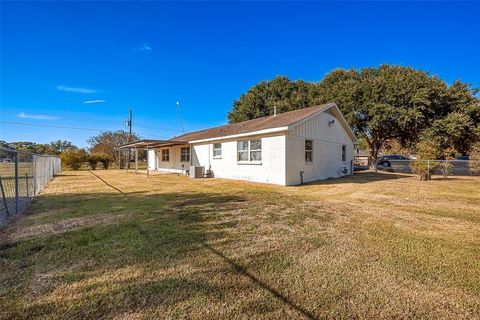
360	177
62	271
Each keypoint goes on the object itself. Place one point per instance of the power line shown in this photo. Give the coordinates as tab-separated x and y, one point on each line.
72	128
48	126
90	120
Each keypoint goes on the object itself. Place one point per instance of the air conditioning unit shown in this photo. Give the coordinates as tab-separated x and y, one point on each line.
196	172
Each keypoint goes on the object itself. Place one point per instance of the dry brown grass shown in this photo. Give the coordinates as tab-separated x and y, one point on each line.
122	246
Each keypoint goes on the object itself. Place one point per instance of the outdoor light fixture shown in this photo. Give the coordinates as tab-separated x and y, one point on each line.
331	122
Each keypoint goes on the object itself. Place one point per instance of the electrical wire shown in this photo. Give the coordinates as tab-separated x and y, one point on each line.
72	128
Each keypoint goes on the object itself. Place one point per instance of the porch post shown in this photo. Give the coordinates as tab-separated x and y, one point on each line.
148	173
136	160
126	159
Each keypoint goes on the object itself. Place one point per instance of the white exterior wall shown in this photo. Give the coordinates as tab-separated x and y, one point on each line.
173	165
271	169
327	149
283	154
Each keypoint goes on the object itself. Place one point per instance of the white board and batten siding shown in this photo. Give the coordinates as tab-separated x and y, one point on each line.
328	139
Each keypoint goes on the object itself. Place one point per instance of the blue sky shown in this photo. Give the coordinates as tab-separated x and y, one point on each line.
83	64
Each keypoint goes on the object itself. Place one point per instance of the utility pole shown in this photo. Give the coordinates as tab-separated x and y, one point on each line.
129	139
129	122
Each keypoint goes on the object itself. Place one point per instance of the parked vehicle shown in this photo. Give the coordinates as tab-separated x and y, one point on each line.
6	160
463	158
384	161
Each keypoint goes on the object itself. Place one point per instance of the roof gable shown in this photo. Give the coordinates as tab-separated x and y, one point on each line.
285	119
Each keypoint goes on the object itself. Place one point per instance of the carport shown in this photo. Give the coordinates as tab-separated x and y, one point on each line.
144	145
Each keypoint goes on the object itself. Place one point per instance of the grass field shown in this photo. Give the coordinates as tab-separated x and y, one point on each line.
116	245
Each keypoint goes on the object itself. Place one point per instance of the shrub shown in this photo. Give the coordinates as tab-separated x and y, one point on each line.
93	160
474	157
427	149
74	158
105	159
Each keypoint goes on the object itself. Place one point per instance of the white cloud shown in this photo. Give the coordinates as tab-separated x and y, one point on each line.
145	47
77	90
94	101
24	115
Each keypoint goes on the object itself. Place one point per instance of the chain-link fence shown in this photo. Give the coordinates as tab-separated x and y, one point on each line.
22	176
444	168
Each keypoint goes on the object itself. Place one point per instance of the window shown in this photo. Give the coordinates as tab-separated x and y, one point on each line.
344	153
249	151
165	155
217	150
185	154
308	150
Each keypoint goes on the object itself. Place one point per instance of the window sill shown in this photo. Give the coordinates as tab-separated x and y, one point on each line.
249	162
308	162
217	157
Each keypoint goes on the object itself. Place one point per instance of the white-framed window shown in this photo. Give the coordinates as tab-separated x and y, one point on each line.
308	150
185	154
165	155
249	150
217	150
344	153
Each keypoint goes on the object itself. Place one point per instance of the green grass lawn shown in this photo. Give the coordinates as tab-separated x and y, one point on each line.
119	245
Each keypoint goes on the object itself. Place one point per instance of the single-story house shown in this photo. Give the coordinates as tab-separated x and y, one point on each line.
290	148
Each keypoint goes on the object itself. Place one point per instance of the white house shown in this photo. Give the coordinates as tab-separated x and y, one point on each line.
290	148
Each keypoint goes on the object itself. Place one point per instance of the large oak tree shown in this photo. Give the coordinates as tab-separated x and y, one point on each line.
381	104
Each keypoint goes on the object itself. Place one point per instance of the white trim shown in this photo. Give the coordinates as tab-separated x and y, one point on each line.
241	135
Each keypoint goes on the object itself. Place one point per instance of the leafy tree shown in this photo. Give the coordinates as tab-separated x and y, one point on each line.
60	146
74	158
454	133
108	142
280	92
384	104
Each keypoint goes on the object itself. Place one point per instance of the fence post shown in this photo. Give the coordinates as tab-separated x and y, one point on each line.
16	183
428	170
26	182
34	174
3	196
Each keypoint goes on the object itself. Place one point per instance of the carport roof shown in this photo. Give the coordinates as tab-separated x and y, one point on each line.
151	143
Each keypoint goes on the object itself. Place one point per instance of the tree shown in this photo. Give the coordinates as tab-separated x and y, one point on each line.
108	142
454	134
280	92
384	104
60	146
74	158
